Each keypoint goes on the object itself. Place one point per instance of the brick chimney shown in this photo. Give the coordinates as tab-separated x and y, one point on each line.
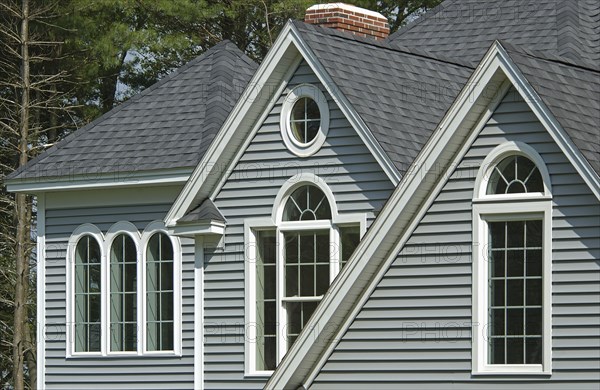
346	17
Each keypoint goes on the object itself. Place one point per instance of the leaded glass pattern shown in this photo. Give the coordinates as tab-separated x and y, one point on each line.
87	295
123	294
159	293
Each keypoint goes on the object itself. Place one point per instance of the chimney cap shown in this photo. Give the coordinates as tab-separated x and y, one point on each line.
347	7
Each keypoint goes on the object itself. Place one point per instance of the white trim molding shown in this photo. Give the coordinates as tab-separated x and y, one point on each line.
105	242
295	146
276	224
246	116
41	290
502	208
87	229
406	206
150	230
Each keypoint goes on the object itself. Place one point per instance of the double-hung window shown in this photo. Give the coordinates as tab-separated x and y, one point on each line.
295	261
512	263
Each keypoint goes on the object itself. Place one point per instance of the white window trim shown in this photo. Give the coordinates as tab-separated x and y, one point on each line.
252	226
105	243
296	147
122	227
488	208
87	229
153	228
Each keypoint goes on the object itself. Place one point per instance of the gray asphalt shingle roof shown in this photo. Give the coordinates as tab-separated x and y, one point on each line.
572	93
207	211
466	28
400	94
168	125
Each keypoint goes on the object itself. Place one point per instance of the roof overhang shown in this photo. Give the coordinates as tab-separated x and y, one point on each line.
95	180
200	228
246	117
406	207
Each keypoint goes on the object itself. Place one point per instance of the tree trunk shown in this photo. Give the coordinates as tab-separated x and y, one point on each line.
22	205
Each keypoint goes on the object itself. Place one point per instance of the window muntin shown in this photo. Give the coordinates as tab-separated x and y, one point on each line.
88	282
515	174
305	120
515	292
512	263
295	264
159	293
123	294
266	300
307	203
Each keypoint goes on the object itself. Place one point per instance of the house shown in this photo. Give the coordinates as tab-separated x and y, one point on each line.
359	211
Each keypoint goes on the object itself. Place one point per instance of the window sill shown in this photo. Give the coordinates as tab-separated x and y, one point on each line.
124	355
258	374
511	370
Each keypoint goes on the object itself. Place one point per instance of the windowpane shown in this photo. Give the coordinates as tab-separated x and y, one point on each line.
515	296
266	314
514	350
123	294
305	120
87	295
307	203
349	239
515	174
159	294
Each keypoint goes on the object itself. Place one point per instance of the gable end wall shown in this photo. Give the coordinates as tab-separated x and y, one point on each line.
414	331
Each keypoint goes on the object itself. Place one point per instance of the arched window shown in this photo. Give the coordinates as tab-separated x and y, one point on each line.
512	262
123	294
159	293
296	261
88	282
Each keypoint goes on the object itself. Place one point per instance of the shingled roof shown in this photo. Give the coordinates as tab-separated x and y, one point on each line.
571	92
467	28
401	94
169	125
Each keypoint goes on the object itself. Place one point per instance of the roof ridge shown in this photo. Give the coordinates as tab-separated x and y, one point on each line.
544	56
382	44
109	114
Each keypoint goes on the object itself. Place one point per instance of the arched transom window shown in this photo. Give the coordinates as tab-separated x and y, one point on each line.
296	261
512	241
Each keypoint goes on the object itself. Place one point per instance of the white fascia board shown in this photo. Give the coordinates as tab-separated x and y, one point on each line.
552	125
209	173
199	229
349	112
99	180
394	226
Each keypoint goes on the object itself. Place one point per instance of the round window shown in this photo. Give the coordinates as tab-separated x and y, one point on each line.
304	120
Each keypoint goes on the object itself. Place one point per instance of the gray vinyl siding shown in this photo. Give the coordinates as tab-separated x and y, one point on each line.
344	162
414	331
143	372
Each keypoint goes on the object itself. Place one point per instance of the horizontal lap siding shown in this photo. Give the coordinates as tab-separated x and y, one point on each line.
415	332
110	372
344	162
